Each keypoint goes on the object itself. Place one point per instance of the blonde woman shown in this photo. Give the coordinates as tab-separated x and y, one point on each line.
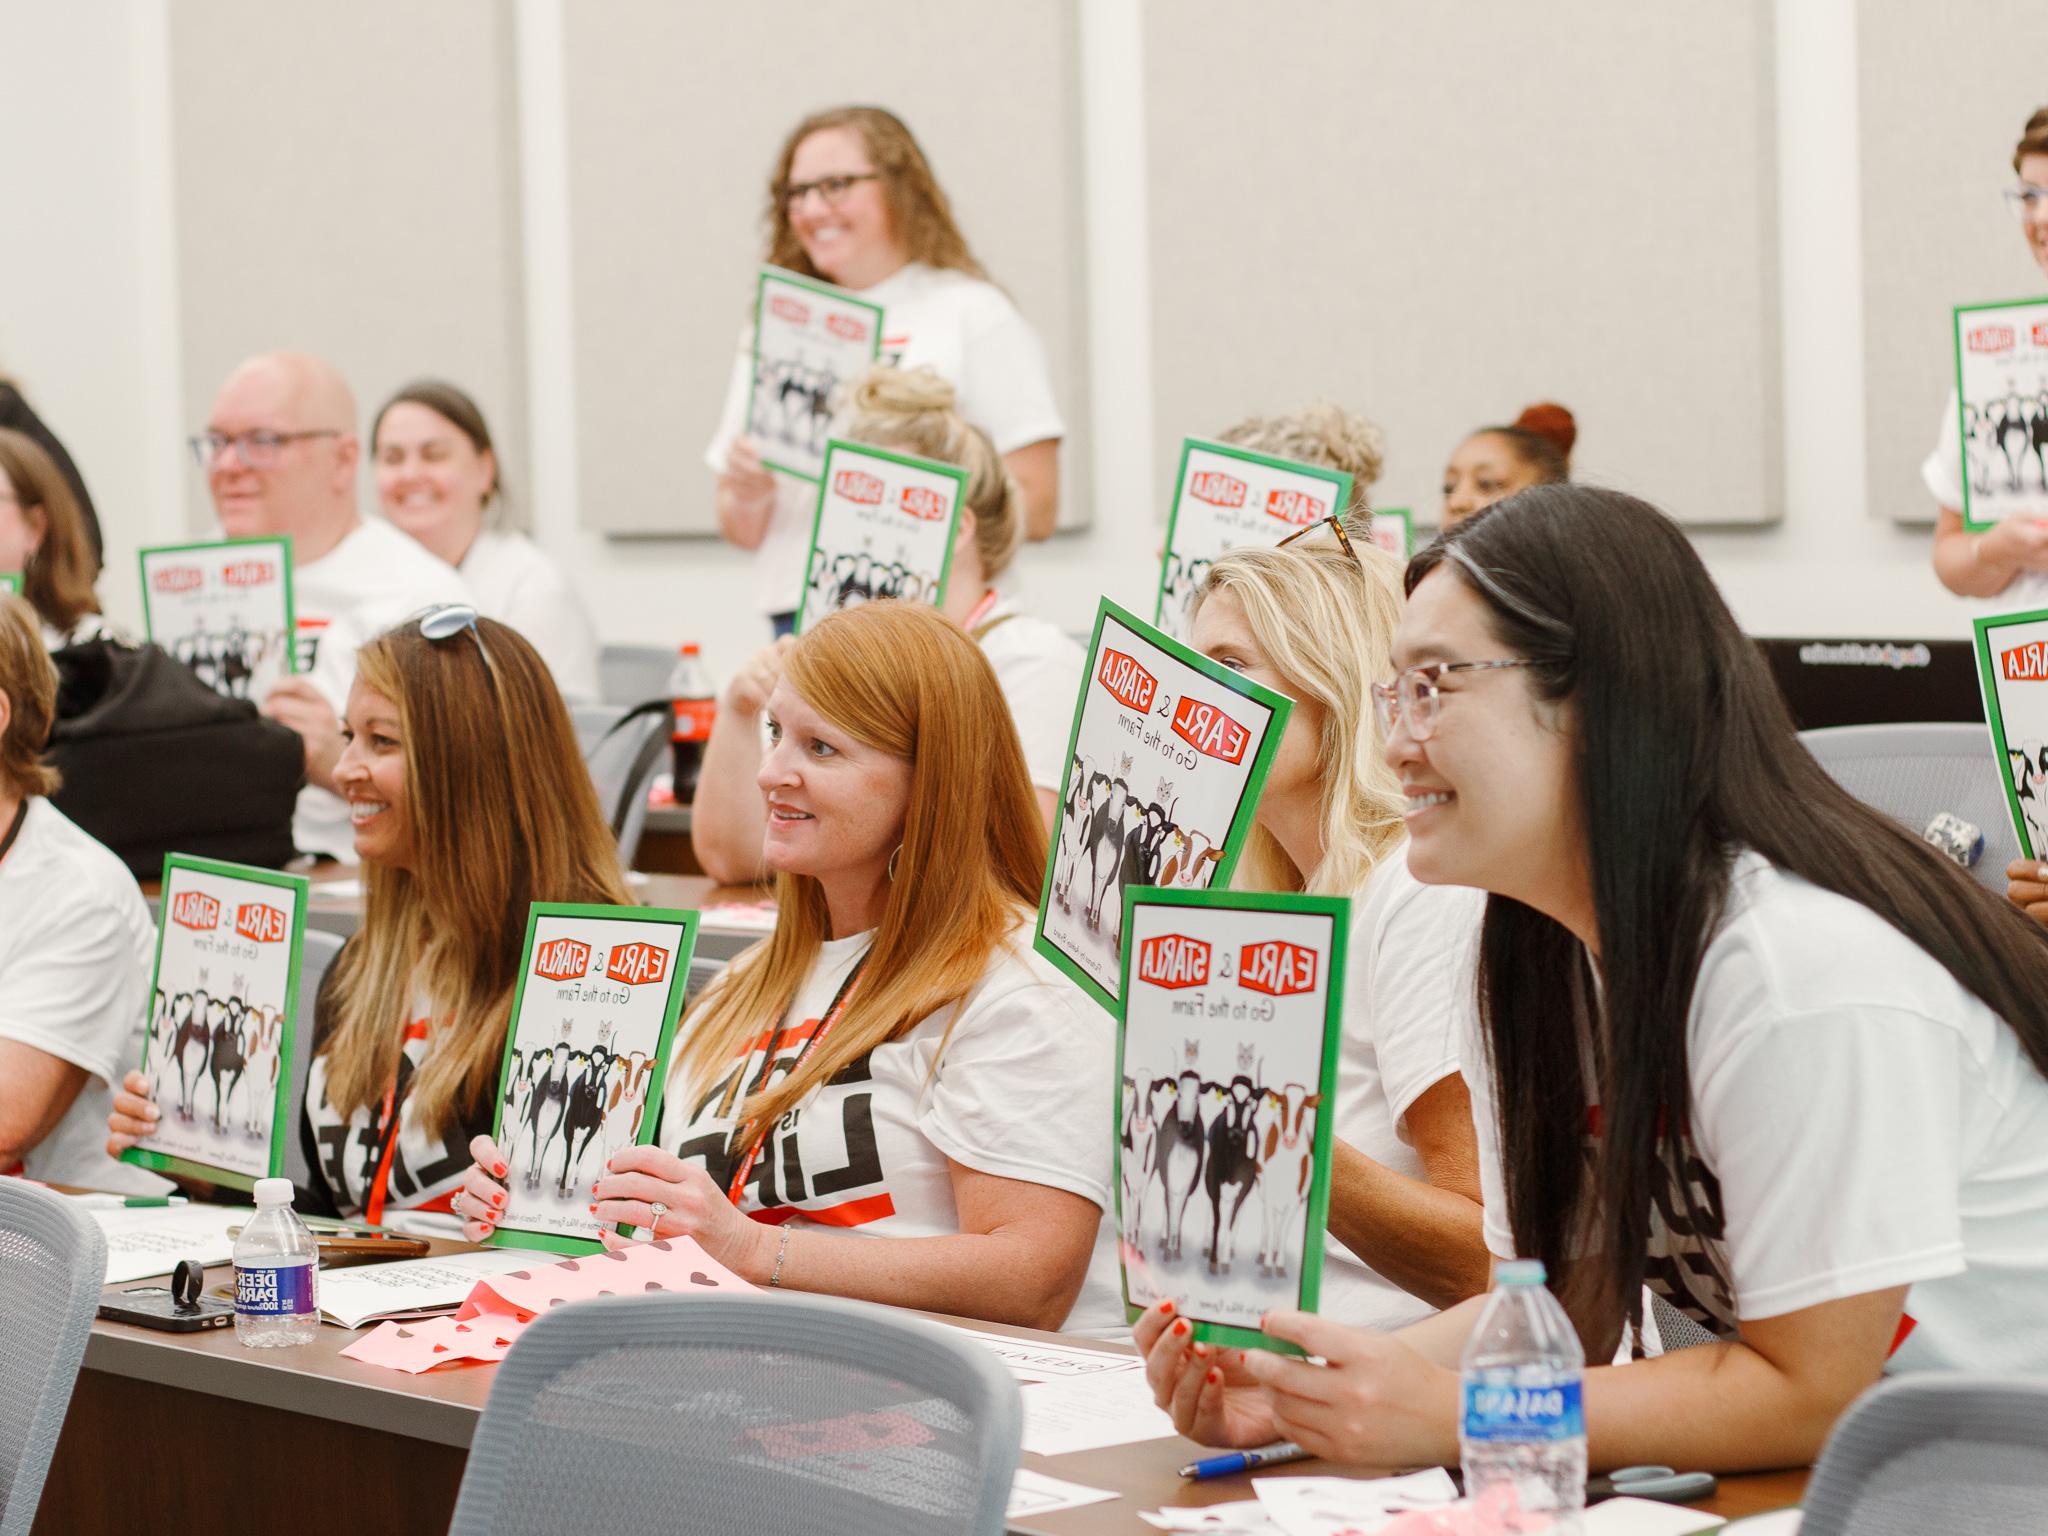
888	1097
469	801
853	201
1037	666
1316	621
1325	435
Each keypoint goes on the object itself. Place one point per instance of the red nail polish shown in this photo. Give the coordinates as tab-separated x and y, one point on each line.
1166	1308
1215	1378
593	1210
500	1167
1180	1329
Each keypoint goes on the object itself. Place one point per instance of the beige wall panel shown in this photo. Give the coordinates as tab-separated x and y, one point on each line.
1943	94
675	116
1438	214
347	185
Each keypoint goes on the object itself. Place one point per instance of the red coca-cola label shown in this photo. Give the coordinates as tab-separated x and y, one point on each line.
923	503
250	573
858	485
262	923
1277	968
178	578
694	719
1210	731
1217	488
1296	508
637	964
195	909
1128	683
846	327
562	959
1173	960
1990	339
783	307
2025	663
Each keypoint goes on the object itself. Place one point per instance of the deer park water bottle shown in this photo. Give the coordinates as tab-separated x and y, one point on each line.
277	1267
1521	1422
696	706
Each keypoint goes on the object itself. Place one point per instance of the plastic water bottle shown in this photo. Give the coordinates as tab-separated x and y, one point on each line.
1521	1422
277	1268
696	707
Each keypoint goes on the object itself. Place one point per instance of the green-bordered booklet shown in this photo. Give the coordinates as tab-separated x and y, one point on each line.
885	527
1167	756
10	581
2012	669
219	1045
1225	497
810	339
1393	529
1226	1062
586	1055
224	609
2002	393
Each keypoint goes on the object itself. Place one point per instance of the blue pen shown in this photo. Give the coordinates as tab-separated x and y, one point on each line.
1243	1461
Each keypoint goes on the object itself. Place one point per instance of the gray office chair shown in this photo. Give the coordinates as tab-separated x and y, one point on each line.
726	1415
53	1259
623	752
1958	1454
633	674
316	956
1915	772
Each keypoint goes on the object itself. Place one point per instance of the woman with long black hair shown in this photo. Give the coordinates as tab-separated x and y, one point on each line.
1740	1039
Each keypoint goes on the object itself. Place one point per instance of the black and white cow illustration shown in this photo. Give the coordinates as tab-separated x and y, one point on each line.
1138	1145
625	1101
191	1041
583	1112
2014	439
2038	427
1287	1165
1179	1158
225	1062
550	1092
1108	826
1232	1167
1083	784
262	1041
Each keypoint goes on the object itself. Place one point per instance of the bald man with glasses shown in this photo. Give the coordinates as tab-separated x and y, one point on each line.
280	452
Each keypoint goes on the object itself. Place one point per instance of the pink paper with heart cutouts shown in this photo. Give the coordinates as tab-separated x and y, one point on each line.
497	1310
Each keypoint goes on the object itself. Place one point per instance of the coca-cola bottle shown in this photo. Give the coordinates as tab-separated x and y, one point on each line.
696	706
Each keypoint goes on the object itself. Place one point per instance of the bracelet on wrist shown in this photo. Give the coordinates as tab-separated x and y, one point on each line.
781	1253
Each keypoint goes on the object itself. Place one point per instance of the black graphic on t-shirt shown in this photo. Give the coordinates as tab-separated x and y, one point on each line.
778	1176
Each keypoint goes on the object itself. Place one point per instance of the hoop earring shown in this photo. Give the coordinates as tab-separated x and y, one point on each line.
892	863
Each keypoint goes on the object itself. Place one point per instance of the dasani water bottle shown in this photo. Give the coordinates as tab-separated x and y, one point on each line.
1521	1423
277	1266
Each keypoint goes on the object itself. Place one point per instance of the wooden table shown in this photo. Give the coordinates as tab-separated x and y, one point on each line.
192	1432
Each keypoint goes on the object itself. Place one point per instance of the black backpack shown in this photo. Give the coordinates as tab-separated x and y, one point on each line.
156	762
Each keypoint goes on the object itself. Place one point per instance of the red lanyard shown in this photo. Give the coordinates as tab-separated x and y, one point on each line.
737	1190
988	601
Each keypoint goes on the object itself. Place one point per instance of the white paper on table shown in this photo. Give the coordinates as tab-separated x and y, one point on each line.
329	892
1033	1493
1034	1360
1645	1517
1084	1412
1343	1506
1246	1518
366	1292
1779	1522
151	1241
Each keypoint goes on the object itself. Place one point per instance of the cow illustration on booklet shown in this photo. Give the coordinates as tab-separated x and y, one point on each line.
809	339
600	989
885	527
1168	754
219	1042
1225	497
1226	1059
224	609
2002	394
2012	668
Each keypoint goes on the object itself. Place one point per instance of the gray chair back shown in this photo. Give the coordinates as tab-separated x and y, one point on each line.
53	1260
620	766
1913	773
316	957
1959	1454
727	1415
633	674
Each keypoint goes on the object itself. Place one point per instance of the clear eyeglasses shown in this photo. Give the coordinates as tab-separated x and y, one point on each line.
1413	695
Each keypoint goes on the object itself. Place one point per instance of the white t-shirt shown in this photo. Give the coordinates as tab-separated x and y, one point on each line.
868	1151
514	583
1038	667
374	578
1942	473
1409	963
964	328
76	951
1859	1121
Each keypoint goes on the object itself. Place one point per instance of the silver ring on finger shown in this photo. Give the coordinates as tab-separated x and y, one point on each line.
455	1204
659	1211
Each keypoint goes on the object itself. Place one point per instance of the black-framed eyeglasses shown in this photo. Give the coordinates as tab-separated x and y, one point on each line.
258	450
1336	526
2025	200
1413	695
832	188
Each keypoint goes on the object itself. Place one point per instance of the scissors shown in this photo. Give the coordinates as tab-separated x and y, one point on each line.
1660	1483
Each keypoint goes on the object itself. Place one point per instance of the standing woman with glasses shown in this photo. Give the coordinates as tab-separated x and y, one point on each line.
1739	1038
1315	620
469	801
2008	562
854	202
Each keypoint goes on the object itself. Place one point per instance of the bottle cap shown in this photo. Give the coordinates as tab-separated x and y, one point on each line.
1518	1272
274	1192
689	649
